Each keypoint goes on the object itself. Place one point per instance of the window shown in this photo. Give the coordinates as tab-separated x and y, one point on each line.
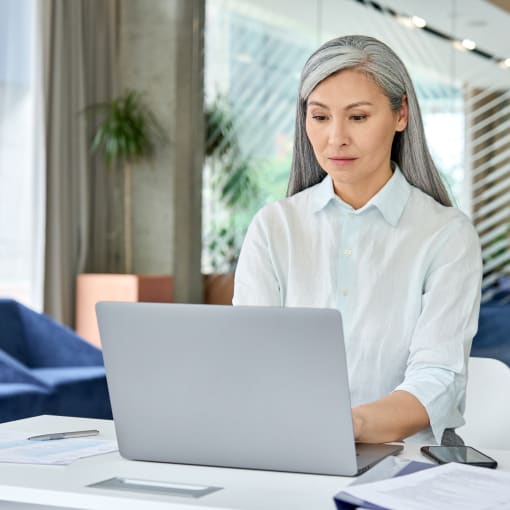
252	74
21	158
254	53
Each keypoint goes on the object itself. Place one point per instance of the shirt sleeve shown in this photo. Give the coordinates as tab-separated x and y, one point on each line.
441	343
256	282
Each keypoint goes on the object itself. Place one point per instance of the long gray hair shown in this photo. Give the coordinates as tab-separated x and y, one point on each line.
379	61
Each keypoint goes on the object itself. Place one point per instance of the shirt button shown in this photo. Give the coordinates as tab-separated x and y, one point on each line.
347	252
345	292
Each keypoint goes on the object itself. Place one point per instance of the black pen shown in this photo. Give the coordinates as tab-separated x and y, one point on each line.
64	435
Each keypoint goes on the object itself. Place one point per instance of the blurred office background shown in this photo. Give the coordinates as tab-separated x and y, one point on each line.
220	77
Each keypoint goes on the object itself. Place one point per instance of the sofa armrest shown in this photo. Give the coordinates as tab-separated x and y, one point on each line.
12	371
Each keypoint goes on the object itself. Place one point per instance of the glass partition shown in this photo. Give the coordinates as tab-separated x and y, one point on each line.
254	53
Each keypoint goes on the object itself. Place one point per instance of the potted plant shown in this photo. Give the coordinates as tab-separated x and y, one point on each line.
233	193
127	134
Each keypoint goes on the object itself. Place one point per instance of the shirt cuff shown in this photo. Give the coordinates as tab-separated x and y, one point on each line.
441	392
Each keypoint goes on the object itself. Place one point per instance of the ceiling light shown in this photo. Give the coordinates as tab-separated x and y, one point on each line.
468	44
465	44
458	45
418	22
411	22
406	21
461	45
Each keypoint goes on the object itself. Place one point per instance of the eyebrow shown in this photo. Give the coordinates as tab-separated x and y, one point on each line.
348	107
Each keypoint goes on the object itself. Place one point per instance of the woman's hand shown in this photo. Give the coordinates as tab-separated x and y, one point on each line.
357	424
392	418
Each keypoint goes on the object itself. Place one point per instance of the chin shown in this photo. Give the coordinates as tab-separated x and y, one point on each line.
345	175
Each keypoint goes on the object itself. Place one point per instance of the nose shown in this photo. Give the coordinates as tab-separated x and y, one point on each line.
338	132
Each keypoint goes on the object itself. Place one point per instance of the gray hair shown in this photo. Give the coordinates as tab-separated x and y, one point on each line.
379	61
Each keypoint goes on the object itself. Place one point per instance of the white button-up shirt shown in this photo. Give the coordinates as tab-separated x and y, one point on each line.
404	271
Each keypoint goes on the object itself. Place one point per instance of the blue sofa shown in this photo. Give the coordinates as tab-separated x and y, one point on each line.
45	368
493	337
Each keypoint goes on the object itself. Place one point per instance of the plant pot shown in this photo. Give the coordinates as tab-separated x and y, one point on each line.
91	288
218	288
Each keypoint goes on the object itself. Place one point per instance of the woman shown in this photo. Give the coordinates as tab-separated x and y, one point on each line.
368	228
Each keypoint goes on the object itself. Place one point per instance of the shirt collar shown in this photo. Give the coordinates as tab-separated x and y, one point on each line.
390	200
322	194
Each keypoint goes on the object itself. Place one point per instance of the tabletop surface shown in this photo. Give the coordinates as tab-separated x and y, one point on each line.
67	486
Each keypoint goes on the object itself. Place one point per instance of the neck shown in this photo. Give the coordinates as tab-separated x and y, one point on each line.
359	193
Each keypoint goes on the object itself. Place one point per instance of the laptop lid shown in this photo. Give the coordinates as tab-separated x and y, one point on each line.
243	387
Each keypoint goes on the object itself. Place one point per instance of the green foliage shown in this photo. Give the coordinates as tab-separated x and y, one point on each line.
220	137
274	174
128	131
234	187
126	134
497	248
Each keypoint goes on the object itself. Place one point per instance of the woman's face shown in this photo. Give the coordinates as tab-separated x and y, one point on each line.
351	126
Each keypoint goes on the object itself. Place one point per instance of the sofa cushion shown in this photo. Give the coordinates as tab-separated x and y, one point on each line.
66	371
52	377
21	400
493	337
12	371
76	391
36	340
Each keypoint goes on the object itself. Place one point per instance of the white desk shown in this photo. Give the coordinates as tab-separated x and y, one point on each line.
243	489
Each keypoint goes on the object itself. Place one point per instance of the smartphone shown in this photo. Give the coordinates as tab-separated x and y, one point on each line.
462	454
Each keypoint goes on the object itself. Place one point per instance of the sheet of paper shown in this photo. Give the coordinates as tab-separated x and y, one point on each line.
15	447
442	488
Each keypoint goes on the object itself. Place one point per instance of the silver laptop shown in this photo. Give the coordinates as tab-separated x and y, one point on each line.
240	387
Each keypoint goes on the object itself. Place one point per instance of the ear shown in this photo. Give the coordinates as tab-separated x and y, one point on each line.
402	115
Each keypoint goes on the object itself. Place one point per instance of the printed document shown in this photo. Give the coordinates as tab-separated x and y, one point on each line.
444	487
15	447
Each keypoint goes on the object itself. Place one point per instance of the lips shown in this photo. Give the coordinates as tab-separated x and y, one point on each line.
341	160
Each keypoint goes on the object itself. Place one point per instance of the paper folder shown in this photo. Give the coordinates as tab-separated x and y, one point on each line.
387	468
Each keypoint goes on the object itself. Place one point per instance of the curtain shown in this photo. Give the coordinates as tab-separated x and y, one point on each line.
79	60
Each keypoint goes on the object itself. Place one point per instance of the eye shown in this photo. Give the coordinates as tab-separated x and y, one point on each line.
319	118
359	118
